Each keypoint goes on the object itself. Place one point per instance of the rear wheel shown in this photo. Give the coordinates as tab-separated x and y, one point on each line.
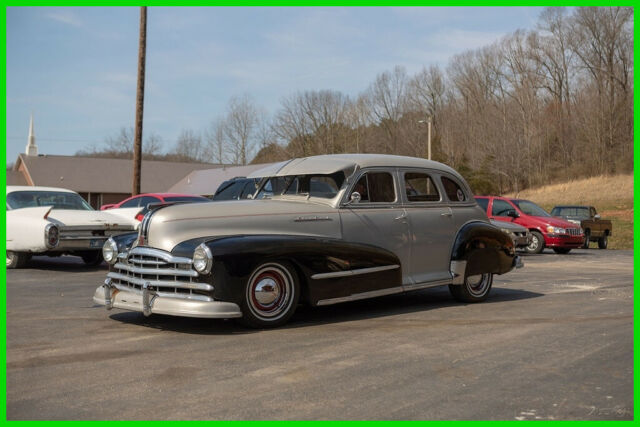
474	289
603	242
271	295
562	250
587	237
17	259
537	243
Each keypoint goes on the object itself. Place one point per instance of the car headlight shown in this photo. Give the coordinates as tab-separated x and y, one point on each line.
556	230
508	232
202	259
110	251
51	236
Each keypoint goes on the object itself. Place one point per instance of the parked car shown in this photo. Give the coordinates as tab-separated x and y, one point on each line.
595	228
142	200
546	231
237	189
521	236
55	221
379	225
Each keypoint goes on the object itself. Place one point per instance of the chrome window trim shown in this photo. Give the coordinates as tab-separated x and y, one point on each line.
344	198
432	174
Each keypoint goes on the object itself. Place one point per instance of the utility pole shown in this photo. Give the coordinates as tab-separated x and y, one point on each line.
428	122
137	142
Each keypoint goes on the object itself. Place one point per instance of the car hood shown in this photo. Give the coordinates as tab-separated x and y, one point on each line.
553	221
172	225
512	226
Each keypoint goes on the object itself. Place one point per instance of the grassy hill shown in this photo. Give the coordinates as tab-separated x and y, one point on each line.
612	197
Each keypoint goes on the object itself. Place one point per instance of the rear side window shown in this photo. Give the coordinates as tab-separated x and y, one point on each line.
376	187
483	203
133	203
453	190
229	191
420	188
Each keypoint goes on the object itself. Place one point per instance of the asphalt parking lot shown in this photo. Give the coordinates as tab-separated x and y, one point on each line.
554	341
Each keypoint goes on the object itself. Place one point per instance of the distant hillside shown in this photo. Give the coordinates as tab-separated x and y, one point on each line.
612	196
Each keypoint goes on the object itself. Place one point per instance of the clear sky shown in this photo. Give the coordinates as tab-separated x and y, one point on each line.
75	68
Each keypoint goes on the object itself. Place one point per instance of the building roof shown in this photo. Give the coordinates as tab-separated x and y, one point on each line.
331	163
16	178
207	181
12	188
104	175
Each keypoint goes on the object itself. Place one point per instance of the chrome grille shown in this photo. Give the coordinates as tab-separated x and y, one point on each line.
573	231
166	275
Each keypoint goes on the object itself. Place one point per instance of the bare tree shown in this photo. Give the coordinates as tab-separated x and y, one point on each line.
189	146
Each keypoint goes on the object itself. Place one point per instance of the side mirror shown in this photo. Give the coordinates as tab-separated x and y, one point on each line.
596	216
355	197
513	213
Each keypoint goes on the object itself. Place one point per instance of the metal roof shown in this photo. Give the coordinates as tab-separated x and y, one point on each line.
207	181
105	175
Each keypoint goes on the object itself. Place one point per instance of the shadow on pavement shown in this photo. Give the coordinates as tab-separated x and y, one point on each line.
62	263
307	316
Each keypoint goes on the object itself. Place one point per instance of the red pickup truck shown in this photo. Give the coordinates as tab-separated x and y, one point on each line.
546	231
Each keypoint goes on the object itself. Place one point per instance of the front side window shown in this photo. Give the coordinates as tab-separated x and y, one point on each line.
229	191
376	187
501	208
420	188
453	190
57	199
133	203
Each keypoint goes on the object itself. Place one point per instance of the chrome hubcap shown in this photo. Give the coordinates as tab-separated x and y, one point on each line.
478	284
270	291
534	243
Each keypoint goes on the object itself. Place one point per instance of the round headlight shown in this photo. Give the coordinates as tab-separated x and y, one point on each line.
51	235
110	251
202	259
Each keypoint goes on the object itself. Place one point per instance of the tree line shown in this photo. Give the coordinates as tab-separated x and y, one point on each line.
537	106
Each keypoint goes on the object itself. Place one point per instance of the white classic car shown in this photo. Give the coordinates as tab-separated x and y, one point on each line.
319	230
55	221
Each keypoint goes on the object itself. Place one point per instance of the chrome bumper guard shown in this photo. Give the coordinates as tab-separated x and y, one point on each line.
149	302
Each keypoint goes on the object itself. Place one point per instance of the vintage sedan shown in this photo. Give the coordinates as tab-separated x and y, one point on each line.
319	230
55	221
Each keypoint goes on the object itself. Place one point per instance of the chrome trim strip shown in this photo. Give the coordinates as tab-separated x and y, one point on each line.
363	295
161	283
143	250
83	237
424	285
146	261
346	273
195	297
156	271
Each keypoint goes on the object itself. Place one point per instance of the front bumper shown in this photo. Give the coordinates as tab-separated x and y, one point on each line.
522	241
148	302
563	241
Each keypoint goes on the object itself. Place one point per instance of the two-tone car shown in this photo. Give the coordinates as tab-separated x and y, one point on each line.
55	221
320	230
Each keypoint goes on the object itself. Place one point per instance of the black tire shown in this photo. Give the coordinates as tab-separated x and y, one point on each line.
92	258
603	242
17	259
475	288
270	296
537	243
587	238
562	251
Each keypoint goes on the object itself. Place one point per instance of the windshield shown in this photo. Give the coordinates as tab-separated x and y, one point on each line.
323	186
57	199
572	212
530	208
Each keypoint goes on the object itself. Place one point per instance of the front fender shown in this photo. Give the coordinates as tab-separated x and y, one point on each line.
481	248
324	266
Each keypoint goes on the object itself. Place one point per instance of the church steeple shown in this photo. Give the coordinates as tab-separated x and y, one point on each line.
32	148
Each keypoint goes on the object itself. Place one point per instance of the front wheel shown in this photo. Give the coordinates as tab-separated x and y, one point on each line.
603	242
537	243
562	251
17	259
92	258
474	289
271	295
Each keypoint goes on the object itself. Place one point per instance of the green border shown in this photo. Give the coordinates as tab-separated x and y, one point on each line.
636	157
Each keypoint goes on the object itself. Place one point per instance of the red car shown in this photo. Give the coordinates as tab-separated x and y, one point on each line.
546	231
142	200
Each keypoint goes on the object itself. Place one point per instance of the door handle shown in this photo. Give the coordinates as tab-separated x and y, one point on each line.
402	216
446	214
